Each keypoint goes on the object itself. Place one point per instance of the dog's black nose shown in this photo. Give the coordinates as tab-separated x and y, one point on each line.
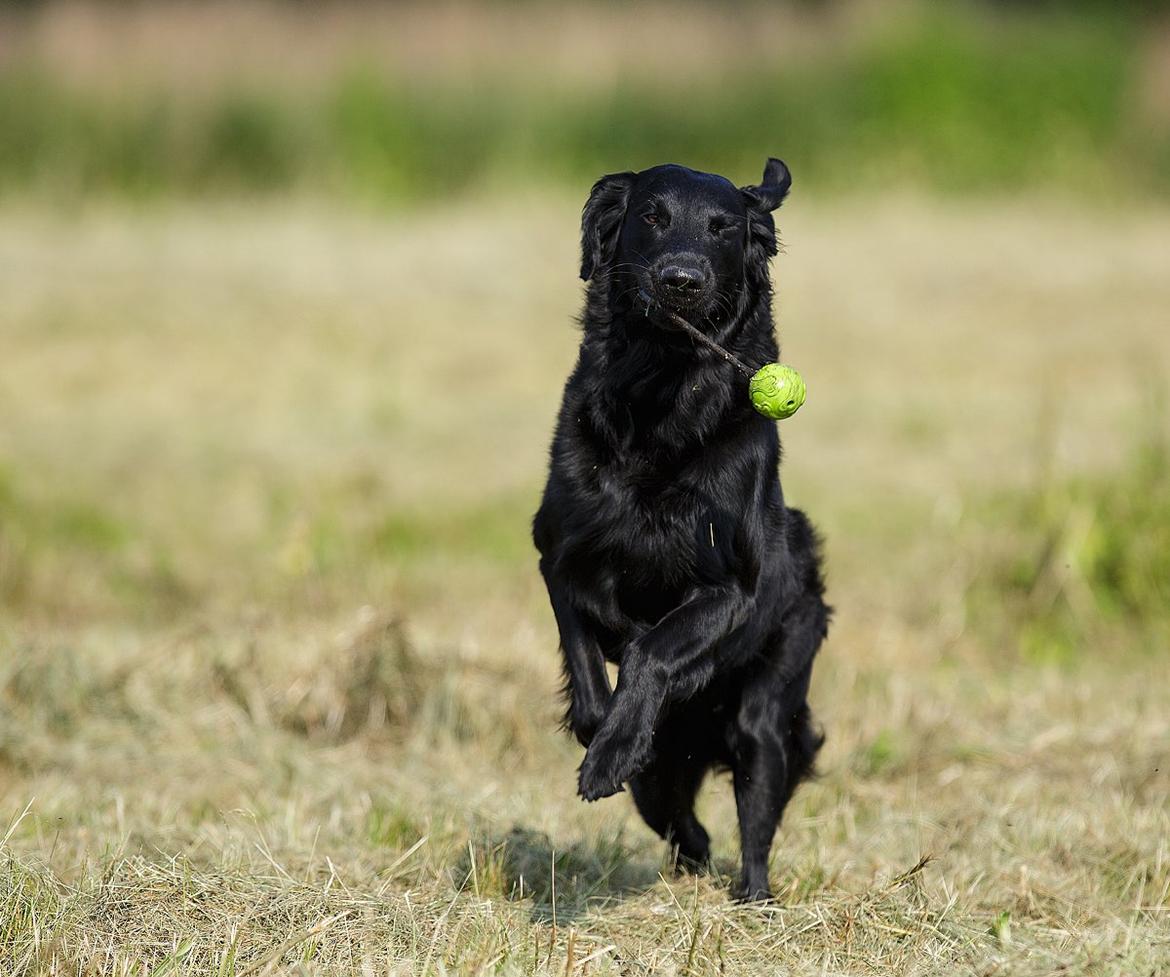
681	278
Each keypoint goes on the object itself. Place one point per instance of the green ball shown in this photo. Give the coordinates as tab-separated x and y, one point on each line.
777	391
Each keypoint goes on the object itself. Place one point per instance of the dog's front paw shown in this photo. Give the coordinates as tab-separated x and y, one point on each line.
612	759
594	783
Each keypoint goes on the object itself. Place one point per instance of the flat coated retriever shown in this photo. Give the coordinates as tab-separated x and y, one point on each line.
665	542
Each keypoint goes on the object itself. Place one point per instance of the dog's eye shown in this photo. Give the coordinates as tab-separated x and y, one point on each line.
650	218
722	228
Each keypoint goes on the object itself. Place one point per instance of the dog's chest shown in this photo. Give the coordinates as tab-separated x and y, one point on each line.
654	513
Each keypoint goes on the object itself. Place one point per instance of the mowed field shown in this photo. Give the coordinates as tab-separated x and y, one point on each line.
278	679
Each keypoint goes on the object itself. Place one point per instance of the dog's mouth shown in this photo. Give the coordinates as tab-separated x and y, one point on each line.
690	307
684	325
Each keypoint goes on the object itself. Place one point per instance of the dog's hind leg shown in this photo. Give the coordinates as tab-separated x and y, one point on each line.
761	791
775	748
665	797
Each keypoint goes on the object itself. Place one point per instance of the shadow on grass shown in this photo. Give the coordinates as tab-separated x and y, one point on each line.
564	883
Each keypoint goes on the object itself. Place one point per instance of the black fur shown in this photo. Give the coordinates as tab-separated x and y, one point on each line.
665	542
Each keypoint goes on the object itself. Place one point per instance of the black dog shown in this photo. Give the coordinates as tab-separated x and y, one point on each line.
665	542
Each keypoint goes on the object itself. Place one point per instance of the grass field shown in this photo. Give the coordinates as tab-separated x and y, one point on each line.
277	674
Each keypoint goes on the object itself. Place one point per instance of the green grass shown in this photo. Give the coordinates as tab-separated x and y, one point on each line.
1084	563
948	97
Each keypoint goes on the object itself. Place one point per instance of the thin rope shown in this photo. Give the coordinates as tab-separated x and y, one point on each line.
710	343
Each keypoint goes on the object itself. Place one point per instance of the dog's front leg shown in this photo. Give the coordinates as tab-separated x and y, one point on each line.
624	743
680	647
670	662
586	680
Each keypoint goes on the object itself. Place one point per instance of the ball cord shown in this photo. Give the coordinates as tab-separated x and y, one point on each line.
701	337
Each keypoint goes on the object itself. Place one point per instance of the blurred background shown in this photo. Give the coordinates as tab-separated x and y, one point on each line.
287	297
407	103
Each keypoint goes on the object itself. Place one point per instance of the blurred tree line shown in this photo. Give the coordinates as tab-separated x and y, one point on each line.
1002	95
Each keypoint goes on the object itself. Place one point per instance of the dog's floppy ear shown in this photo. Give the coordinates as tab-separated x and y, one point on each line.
761	232
601	220
772	189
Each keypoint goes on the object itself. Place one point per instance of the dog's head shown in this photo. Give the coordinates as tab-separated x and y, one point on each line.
688	241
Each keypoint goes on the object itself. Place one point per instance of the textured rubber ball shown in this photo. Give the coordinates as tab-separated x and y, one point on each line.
777	391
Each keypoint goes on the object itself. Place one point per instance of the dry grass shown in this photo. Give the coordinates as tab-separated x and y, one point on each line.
277	676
